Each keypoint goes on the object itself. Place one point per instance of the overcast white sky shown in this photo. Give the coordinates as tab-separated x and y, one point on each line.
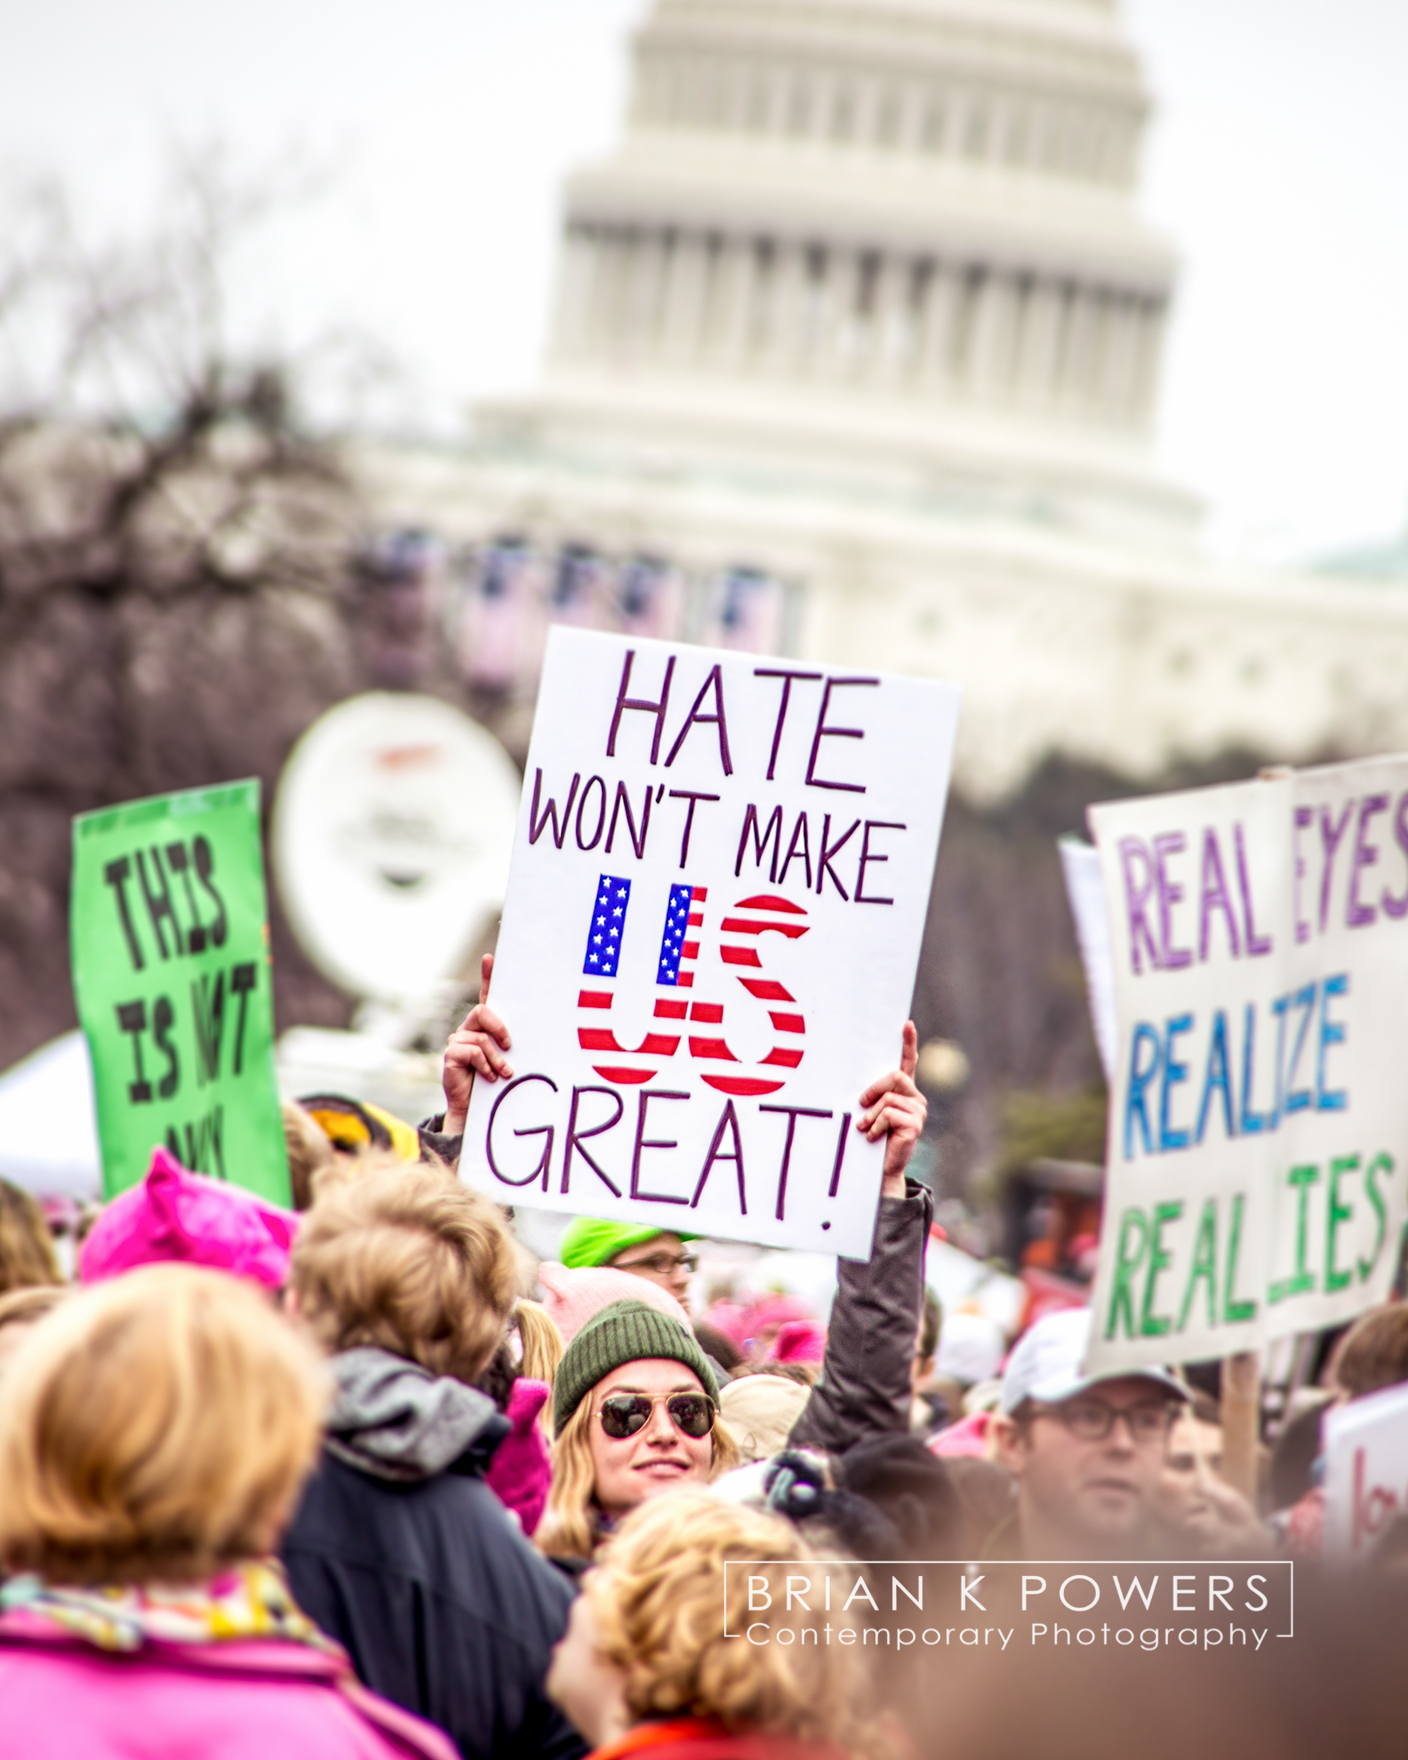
1279	163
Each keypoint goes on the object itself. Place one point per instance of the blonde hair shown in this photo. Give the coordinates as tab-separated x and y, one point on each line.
407	1259
22	1307
156	1427
663	1603
542	1344
569	1525
26	1247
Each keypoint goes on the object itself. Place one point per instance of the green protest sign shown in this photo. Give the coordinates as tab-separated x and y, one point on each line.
170	943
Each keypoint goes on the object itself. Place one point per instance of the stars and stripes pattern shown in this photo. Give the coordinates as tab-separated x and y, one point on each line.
739	933
613	897
675	970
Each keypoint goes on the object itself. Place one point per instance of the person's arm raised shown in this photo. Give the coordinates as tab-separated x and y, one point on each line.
864	1389
476	1047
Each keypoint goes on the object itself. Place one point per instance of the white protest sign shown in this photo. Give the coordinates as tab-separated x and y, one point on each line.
719	883
1366	1470
1258	1117
1085	888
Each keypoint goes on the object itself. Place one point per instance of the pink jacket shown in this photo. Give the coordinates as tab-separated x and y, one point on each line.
228	1700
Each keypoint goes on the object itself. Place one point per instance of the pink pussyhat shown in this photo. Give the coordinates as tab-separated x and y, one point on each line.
180	1216
798	1341
572	1297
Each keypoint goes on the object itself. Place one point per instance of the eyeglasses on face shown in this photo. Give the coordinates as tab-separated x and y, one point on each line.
625	1414
1092	1420
662	1264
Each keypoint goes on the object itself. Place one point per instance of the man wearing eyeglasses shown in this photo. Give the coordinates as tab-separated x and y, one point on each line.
1086	1451
642	1250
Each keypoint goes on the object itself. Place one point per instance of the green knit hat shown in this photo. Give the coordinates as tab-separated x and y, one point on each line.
590	1242
626	1332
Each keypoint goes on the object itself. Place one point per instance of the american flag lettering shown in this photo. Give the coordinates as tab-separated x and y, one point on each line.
680	942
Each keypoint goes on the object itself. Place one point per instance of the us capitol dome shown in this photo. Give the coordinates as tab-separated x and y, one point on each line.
860	327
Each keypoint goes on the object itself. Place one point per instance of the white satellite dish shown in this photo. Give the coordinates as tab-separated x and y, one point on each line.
391	838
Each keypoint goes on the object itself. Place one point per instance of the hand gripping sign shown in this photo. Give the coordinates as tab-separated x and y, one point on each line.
719	884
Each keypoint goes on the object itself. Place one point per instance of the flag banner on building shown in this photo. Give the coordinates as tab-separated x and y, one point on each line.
171	971
1258	1139
719	885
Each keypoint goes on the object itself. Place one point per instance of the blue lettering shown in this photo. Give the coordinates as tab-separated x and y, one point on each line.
1331	1033
1139	1080
1174	1073
1218	1077
1299	1099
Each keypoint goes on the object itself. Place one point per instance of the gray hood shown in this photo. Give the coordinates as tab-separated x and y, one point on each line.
396	1420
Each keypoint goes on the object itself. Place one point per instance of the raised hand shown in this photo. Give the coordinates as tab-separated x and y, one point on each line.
475	1047
894	1108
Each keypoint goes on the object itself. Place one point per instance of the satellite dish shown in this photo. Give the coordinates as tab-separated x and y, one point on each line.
391	837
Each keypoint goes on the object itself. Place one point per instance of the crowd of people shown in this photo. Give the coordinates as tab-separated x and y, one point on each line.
363	1478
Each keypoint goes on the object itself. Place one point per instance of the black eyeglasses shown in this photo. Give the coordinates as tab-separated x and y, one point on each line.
1092	1420
662	1264
624	1414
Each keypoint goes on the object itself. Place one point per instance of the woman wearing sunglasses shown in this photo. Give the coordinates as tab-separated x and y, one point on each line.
635	1408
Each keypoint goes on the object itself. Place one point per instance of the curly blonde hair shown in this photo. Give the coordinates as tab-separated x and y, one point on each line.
569	1525
663	1603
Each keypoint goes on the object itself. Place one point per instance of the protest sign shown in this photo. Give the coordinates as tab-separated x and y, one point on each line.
719	883
1366	1470
171	970
1258	1117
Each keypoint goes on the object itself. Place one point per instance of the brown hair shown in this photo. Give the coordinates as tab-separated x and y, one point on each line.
1374	1353
408	1259
569	1525
26	1247
663	1602
310	1152
155	1428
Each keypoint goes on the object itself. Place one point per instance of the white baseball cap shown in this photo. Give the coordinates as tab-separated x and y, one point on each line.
971	1348
1047	1364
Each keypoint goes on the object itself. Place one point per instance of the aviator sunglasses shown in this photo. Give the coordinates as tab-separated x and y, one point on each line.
623	1414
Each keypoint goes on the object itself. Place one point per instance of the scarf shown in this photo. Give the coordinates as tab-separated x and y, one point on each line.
249	1601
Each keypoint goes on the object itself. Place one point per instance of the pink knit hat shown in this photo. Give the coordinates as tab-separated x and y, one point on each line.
572	1297
798	1341
175	1215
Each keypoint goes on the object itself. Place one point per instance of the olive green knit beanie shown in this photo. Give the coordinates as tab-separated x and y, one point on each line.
626	1332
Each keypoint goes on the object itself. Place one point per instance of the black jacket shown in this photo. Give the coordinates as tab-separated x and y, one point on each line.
872	1336
410	1561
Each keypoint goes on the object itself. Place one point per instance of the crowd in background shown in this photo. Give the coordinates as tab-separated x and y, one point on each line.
365	1478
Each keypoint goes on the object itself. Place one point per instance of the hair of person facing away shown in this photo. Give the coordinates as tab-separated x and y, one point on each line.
1374	1353
26	1248
155	1428
663	1601
310	1153
569	1525
22	1307
408	1259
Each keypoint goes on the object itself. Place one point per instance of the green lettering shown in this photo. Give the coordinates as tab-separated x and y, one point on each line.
1204	1265
1302	1178
1338	1215
1126	1264
1153	1325
1235	1313
1380	1164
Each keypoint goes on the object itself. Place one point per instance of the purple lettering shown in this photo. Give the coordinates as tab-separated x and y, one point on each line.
623	702
787	678
1215	897
1257	945
1304	817
1167	845
1359	914
1136	899
717	719
1331	836
643	1142
1398	907
825	732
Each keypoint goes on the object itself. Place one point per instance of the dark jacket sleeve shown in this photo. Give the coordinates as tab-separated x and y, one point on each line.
435	1141
865	1379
